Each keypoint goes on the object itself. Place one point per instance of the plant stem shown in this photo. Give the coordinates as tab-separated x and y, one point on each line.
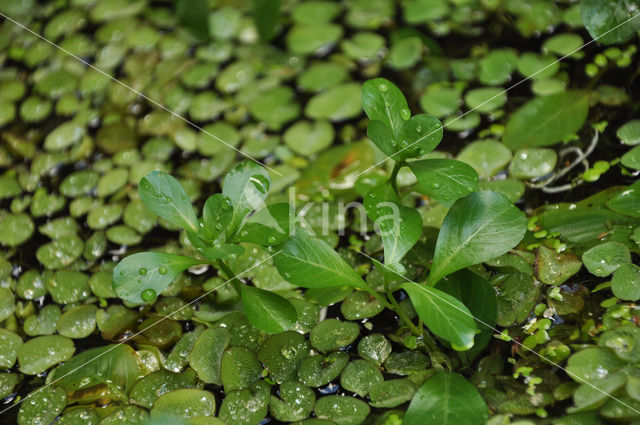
399	311
229	274
394	175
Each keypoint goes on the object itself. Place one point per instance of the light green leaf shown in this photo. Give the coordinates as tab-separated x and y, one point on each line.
165	197
445	180
606	258
268	311
545	121
444	315
267	227
309	262
247	185
447	399
139	278
477	228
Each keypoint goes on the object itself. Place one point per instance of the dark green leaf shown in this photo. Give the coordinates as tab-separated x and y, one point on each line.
477	228
447	399
383	101
268	311
625	283
193	14
545	121
421	133
165	197
309	262
627	202
247	185
445	180
382	137
444	315
615	22
140	277
266	15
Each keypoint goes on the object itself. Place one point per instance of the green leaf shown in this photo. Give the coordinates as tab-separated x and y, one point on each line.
104	373
266	15
545	121
267	227
627	202
216	216
193	14
383	101
247	185
606	258
600	21
447	399
382	136
444	315
477	228
399	227
163	195
267	311
445	180
625	283
422	133
309	262
140	277
631	159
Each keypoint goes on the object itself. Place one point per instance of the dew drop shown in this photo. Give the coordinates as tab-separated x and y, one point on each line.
435	185
383	87
218	226
260	182
419	129
162	270
288	352
226	204
142	271
405	113
272	239
148	295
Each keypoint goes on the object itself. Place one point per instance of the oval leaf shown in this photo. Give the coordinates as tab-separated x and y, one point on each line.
140	277
444	315
420	134
267	227
445	180
309	262
163	195
383	101
247	186
216	216
477	228
447	399
600	20
545	121
268	311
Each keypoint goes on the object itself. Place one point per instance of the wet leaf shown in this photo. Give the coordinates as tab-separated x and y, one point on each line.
625	283
246	407
359	376
445	180
533	162
391	393
185	403
447	398
333	334
605	258
148	389
554	268
282	355
239	369
612	24
40	353
43	406
487	157
206	356
342	410
9	345
295	402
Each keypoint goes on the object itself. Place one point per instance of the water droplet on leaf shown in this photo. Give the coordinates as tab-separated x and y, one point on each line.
148	295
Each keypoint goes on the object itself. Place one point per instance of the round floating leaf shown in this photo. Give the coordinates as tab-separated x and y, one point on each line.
533	162
447	398
624	341
359	376
375	348
311	38
67	286
337	103
487	157
9	345
319	370
239	369
333	334
342	410
545	121
392	393
406	363
631	159
40	353
307	138
593	363
554	268
148	389
479	227
7	303
78	322
295	403
42	406
360	305
625	283
629	133
206	356
15	229
139	278
267	311
627	202
445	180
282	354
606	258
185	403
63	136
246	407
60	253
79	416
44	323
440	101
486	99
